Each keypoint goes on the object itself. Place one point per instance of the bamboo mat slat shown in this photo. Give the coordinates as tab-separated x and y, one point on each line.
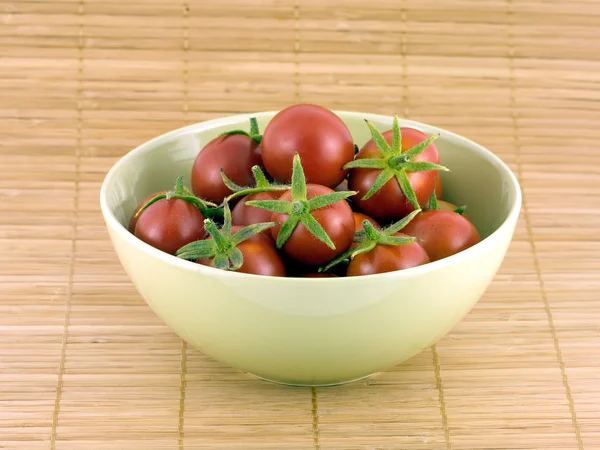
85	364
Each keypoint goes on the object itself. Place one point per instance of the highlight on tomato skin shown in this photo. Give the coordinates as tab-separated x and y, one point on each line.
318	135
134	216
233	154
170	224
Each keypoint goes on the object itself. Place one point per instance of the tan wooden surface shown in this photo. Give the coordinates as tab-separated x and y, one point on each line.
85	364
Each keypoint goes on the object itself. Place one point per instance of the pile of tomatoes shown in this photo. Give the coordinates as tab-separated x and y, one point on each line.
302	200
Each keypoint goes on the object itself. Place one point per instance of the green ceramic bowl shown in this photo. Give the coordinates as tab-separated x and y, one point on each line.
316	331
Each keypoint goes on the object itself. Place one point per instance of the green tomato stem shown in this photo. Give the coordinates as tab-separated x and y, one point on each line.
254	131
370	230
211	228
368	239
259	177
433	204
394	162
299	208
179	192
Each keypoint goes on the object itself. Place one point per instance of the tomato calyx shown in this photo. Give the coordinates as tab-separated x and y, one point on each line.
395	163
370	237
222	248
299	208
433	205
254	133
182	193
261	184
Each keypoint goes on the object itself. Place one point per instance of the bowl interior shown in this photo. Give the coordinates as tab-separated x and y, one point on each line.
477	178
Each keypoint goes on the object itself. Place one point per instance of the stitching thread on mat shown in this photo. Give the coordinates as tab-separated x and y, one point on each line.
75	218
314	398
182	388
183	368
439	383
527	219
403	58
436	366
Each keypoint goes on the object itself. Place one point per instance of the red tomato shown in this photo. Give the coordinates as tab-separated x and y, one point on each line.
318	135
248	215
390	203
358	220
337	221
388	258
260	256
168	225
235	154
442	233
134	219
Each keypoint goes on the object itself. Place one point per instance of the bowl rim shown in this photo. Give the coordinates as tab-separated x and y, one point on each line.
147	146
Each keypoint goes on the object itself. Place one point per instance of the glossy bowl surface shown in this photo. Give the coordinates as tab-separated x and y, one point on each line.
312	331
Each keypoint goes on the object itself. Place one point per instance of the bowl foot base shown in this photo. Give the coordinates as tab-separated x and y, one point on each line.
312	385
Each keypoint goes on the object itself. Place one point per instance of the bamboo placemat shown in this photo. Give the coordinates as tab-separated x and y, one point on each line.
85	364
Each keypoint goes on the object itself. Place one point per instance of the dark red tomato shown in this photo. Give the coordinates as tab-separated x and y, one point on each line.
235	154
318	135
337	221
390	203
260	256
320	275
133	220
388	258
439	188
442	233
168	225
248	215
358	220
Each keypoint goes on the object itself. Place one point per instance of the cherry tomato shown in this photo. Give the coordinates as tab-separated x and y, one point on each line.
358	220
134	219
442	233
235	154
388	258
337	221
318	135
260	256
390	203
248	215
168	225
